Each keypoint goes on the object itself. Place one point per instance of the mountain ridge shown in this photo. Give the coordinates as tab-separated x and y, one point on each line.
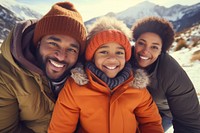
12	12
181	16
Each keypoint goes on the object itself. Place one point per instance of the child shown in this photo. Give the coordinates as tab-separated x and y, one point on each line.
110	102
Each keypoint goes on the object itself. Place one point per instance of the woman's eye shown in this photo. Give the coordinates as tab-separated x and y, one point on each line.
141	43
155	47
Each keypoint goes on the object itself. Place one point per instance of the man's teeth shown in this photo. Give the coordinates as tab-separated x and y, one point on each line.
144	58
56	64
111	67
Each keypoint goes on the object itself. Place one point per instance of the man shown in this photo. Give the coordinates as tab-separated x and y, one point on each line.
36	59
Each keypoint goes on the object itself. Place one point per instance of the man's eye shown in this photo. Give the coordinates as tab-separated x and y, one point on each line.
72	50
53	44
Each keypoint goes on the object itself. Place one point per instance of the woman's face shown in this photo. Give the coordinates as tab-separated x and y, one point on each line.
147	49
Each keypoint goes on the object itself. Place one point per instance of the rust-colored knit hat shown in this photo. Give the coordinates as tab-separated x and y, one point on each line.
107	36
62	19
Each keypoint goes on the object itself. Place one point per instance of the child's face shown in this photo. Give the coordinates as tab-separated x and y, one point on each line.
110	58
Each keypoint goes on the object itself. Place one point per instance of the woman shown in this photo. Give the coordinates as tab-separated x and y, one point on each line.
170	87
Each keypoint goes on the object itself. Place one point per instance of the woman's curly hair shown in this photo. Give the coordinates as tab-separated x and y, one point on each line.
157	25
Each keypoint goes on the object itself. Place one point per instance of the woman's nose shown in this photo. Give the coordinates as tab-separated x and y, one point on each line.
145	50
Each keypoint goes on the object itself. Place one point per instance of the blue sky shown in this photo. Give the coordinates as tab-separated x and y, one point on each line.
94	8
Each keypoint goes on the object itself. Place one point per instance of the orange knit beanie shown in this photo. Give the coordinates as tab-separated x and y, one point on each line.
62	19
107	36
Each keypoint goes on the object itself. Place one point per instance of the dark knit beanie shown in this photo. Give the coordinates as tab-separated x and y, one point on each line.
157	25
107	36
62	19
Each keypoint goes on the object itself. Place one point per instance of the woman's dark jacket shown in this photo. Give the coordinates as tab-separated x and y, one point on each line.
174	94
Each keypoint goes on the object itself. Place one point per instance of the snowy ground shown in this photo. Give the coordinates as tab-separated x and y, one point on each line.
183	57
192	68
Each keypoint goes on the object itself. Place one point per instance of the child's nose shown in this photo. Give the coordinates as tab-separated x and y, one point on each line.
112	57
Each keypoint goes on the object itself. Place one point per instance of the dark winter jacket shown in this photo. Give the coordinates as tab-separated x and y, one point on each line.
26	101
174	94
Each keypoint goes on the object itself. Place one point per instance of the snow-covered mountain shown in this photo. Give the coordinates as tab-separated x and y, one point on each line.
181	16
10	13
7	20
21	10
150	9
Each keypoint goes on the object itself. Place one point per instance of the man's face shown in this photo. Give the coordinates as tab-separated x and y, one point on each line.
57	54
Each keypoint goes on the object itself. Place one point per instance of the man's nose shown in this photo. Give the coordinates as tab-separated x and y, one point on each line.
60	55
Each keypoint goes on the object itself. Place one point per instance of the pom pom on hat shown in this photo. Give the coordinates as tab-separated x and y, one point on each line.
62	19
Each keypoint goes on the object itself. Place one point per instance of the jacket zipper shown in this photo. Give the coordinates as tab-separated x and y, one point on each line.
43	91
109	105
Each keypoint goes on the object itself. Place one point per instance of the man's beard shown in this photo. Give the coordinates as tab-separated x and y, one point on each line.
42	65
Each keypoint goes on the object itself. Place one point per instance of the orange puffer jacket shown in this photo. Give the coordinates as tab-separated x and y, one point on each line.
94	108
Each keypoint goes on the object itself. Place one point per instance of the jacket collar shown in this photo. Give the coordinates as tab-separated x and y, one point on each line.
79	75
16	48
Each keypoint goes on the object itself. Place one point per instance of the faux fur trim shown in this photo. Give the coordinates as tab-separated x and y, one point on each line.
79	75
141	79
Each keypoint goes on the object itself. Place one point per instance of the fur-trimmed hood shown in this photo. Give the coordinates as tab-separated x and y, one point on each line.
141	79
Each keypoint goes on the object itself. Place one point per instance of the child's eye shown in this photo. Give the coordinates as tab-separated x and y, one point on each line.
120	53
103	52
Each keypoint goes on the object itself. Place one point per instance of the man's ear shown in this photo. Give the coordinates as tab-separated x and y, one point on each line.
38	45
